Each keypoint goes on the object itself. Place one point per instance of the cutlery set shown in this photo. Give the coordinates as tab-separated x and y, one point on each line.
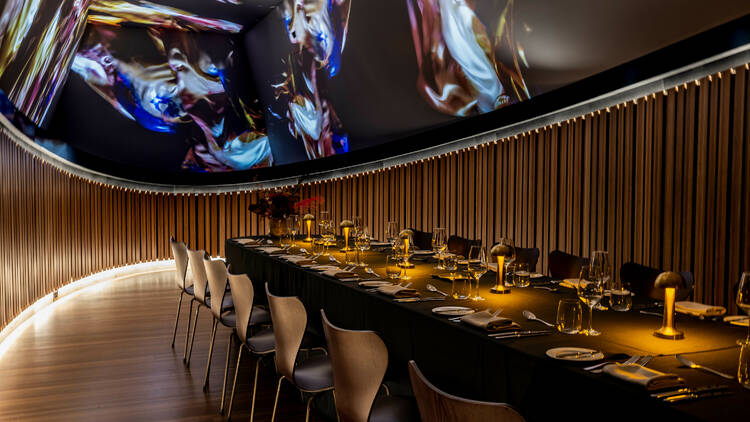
692	393
633	360
519	334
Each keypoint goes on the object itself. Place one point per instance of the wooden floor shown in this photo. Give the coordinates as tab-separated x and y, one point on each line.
104	355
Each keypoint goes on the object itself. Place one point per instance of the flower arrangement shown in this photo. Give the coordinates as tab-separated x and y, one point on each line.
281	204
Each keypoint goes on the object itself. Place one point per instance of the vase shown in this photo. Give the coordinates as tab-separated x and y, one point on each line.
277	227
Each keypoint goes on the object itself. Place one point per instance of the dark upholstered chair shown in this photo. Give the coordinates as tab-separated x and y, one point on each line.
359	360
528	256
438	406
460	245
641	279
564	265
422	240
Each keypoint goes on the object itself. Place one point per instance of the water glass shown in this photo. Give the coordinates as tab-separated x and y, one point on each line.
743	370
743	298
451	265
285	241
510	269
620	298
393	268
569	316
521	278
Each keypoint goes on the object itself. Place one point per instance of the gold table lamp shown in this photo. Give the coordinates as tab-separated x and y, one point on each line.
346	226
308	219
669	281
500	252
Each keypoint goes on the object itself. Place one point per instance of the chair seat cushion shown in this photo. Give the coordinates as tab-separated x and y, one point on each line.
394	409
314	374
190	290
229	319
259	316
227	303
262	342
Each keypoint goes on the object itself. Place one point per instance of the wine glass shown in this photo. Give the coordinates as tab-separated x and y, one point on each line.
477	264
357	220
743	299
439	245
362	243
322	220
590	290
391	232
600	270
292	224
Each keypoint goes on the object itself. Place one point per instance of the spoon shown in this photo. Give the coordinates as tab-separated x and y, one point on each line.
369	270
434	289
694	365
531	317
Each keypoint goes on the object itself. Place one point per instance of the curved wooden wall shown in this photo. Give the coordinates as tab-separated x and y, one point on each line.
663	180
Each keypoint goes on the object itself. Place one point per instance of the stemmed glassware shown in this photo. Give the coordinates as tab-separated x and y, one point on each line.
391	232
600	270
439	245
590	290
329	236
322	221
477	265
743	299
357	220
362	243
293	225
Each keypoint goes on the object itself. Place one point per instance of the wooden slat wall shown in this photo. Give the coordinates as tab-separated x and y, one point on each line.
663	180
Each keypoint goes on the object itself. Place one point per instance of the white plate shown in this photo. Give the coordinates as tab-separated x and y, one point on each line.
587	355
536	275
740	320
375	283
452	311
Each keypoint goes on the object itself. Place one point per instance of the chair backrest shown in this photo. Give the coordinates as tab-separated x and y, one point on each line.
564	265
216	271
460	246
289	320
200	279
422	240
641	279
179	251
359	360
528	256
438	406
243	294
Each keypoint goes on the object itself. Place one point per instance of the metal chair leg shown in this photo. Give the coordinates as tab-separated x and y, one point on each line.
226	373
255	388
192	338
276	401
177	318
234	383
307	413
210	353
187	332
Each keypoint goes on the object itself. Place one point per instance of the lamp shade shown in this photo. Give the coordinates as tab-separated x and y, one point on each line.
346	224
669	279
500	250
308	217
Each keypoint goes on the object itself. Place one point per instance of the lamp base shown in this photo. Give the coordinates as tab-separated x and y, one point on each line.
500	290
669	333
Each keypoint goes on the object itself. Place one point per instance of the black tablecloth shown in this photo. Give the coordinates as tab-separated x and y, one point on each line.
464	361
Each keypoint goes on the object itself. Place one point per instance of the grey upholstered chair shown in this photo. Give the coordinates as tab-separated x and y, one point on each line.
312	375
179	251
359	360
438	406
246	318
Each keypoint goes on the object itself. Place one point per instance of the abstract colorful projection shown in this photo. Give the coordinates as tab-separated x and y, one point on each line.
188	84
461	70
318	30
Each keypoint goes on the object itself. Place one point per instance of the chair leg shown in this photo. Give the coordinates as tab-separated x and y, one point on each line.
255	388
210	353
192	338
177	318
276	401
226	373
307	413
187	332
234	383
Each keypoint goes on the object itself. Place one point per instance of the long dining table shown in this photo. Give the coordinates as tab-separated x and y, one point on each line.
467	362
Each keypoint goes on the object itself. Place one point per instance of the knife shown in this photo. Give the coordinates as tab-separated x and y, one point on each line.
520	334
690	390
418	299
696	396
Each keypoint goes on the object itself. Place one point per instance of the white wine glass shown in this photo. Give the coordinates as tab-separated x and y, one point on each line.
477	264
391	232
600	270
590	290
439	245
362	243
743	299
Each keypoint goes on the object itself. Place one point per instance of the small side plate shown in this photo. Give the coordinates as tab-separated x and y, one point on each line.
452	311
575	354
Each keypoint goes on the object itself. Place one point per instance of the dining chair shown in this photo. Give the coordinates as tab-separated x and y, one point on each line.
359	360
201	292
460	246
422	240
641	279
528	256
312	375
260	344
563	265
436	405
179	251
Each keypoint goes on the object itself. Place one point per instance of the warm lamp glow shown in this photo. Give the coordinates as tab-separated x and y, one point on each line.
500	251
309	218
346	238
669	281
346	225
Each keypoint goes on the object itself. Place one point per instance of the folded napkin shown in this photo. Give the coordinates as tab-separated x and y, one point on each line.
570	283
699	309
398	291
271	249
486	321
294	258
645	377
341	275
306	263
247	241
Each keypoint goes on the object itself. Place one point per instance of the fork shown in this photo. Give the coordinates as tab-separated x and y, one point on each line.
631	360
